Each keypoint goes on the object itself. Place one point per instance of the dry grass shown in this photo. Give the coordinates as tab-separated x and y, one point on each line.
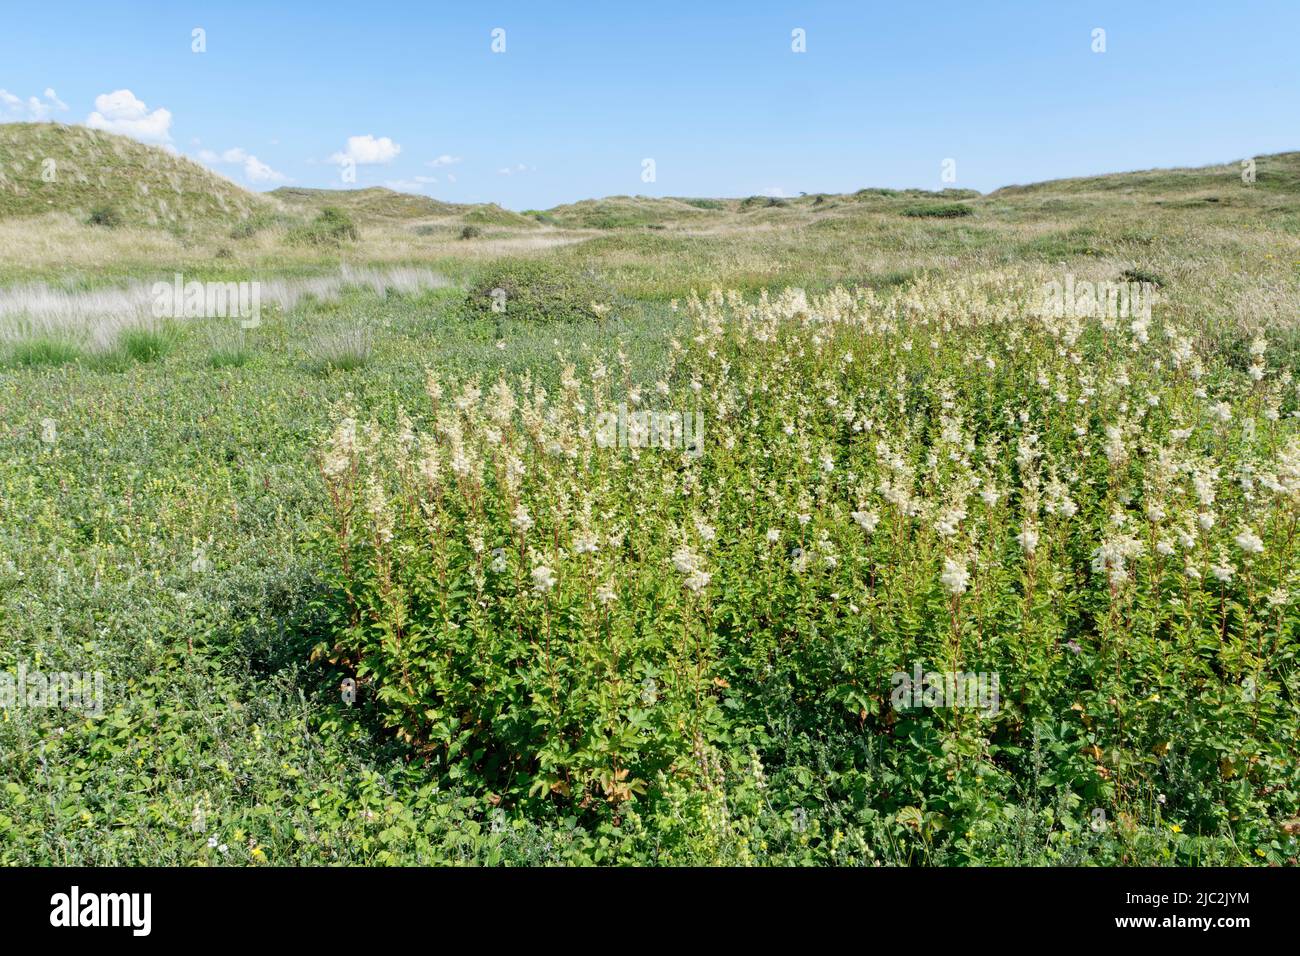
97	318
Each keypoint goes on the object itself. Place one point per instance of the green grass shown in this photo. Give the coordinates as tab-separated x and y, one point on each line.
340	352
229	356
144	344
43	350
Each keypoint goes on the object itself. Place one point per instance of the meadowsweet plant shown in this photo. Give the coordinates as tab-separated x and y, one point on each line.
1095	509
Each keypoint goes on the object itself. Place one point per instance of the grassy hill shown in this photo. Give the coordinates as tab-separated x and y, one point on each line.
50	167
183	217
379	205
615	212
369	205
1277	182
1275	173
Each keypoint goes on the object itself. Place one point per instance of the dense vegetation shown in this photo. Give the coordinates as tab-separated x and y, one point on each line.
565	652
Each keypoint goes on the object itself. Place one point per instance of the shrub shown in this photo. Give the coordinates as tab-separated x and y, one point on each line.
515	683
106	216
471	232
949	210
536	292
1143	275
545	619
251	226
331	226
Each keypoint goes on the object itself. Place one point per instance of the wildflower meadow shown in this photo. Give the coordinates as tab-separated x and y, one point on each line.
614	435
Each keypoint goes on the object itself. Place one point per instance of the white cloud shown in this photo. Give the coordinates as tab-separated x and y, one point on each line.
776	192
255	171
258	172
443	160
121	112
512	170
36	108
367	151
234	155
412	185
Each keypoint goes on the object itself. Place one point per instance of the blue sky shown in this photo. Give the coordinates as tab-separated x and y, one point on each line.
711	92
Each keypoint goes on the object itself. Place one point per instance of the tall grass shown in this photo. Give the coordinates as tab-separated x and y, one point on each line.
97	319
42	350
343	351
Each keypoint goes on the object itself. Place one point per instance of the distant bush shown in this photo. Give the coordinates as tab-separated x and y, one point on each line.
106	216
1058	246
950	210
535	292
252	225
331	227
471	232
1142	275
